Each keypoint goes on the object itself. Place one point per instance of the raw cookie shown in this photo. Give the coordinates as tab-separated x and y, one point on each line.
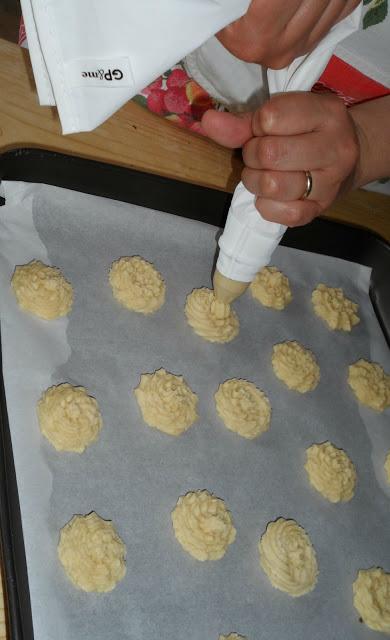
166	402
272	288
232	636
387	466
243	407
331	472
211	319
92	553
288	558
68	417
370	384
295	366
371	597
137	285
42	290
331	305
203	526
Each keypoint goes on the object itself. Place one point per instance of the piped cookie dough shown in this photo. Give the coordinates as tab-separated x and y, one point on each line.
387	466
42	290
371	598
295	366
370	384
166	401
271	288
211	319
137	284
334	308
288	557
69	418
243	407
331	472
92	553
232	636
202	525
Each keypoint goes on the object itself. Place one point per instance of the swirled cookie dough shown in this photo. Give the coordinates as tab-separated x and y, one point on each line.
68	417
137	285
288	557
92	553
387	466
371	597
331	305
202	525
42	290
243	407
331	472
211	319
370	384
295	366
166	402
272	288
232	636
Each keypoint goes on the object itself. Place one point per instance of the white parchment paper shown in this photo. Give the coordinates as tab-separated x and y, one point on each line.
134	474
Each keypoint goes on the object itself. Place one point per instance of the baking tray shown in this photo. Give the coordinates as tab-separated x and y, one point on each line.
199	203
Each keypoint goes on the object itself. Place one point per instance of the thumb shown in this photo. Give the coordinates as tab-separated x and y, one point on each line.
227	129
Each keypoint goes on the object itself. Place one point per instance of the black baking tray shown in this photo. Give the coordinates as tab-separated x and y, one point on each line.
179	198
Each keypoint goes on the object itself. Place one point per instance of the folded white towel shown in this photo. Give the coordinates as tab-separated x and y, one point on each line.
90	57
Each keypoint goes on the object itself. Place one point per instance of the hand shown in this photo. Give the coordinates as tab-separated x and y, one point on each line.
288	135
275	32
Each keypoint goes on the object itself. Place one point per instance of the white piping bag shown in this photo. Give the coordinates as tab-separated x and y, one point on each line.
248	241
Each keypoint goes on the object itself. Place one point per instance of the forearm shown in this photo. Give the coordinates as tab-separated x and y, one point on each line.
372	120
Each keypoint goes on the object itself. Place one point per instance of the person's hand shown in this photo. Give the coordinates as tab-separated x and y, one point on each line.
290	134
275	32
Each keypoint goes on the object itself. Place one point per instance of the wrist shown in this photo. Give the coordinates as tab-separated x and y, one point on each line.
373	132
359	175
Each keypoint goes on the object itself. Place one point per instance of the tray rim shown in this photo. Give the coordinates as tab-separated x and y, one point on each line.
38	153
19	619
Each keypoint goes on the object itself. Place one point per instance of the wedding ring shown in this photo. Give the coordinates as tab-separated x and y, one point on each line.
309	185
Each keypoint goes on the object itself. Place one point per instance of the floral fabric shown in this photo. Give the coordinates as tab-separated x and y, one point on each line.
177	98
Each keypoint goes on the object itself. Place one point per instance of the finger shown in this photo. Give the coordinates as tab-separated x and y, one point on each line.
275	33
227	129
249	38
280	185
349	7
333	13
290	153
303	22
292	214
293	113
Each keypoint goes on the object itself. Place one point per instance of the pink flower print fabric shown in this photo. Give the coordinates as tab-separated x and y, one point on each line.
177	98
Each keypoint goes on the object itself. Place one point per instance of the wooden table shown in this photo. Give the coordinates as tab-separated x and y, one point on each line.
138	139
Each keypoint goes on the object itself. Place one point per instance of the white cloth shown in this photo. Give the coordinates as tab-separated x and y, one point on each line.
368	50
90	57
238	85
303	72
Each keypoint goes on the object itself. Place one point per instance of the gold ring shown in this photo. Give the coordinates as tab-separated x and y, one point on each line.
309	185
